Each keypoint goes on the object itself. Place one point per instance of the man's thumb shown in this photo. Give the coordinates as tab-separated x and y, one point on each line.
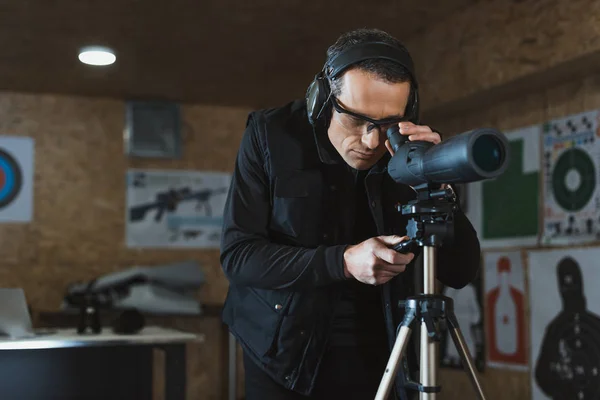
392	240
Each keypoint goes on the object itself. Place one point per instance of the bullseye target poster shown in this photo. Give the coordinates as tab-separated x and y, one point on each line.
571	147
16	179
565	323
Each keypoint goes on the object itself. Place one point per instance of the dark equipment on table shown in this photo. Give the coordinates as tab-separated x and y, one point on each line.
160	290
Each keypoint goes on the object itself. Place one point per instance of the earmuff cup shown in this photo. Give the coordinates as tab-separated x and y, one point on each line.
316	97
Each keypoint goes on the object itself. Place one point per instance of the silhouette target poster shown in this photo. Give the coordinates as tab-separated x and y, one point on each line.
565	324
175	209
505	310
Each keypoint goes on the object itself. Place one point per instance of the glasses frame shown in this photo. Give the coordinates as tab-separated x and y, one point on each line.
374	123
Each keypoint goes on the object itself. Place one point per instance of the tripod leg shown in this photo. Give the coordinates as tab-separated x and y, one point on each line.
467	360
391	368
429	359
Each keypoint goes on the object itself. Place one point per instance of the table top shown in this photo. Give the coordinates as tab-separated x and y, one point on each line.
64	338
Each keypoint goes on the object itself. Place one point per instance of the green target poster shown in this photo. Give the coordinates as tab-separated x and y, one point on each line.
570	164
505	210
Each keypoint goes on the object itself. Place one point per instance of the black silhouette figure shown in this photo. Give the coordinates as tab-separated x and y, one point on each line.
568	366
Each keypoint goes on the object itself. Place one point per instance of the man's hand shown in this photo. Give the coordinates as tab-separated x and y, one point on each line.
374	262
416	132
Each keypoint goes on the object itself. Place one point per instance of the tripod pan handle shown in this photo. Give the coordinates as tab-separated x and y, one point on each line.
409	246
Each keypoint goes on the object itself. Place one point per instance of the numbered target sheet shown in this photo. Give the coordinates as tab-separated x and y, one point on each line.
571	157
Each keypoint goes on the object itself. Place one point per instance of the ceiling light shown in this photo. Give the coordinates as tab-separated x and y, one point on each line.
96	55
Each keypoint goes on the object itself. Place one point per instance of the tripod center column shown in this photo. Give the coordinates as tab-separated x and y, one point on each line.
429	263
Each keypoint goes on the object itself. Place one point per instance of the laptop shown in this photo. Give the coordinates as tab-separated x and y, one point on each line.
15	320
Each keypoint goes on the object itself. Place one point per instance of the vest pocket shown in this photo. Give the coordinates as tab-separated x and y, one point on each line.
258	316
297	206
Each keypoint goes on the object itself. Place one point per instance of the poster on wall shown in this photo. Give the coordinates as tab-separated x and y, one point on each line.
469	313
175	209
504	211
16	179
505	323
570	164
565	323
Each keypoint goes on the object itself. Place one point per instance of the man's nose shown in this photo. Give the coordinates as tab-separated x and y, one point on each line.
371	138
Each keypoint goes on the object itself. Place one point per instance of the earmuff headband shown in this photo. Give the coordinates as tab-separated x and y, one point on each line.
366	51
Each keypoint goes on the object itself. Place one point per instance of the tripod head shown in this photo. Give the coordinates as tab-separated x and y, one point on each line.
432	217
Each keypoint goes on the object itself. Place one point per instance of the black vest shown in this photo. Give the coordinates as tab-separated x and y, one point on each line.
289	345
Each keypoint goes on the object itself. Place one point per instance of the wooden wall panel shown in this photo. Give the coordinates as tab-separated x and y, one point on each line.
78	229
501	44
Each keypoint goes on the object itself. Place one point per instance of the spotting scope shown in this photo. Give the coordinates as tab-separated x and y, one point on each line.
471	156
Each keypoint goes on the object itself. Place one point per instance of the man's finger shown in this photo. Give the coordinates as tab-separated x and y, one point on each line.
392	240
408	128
427	137
391	256
386	268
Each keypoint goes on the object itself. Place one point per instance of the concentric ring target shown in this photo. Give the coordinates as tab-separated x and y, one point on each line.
11	178
573	179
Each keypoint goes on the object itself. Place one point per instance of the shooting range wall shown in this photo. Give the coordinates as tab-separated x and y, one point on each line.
78	227
509	65
530	108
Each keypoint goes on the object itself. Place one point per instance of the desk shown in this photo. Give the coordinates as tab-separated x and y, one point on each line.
65	365
227	345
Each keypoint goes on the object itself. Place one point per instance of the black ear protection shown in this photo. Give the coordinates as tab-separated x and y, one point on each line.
319	91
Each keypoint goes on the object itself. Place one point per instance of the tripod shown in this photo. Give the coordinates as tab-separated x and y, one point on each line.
430	225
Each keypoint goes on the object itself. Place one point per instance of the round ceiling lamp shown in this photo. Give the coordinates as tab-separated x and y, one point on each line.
97	55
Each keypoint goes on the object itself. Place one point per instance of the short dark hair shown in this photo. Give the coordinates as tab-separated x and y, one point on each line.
386	70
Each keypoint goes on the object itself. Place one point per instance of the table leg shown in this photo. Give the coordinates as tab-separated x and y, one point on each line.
175	372
232	364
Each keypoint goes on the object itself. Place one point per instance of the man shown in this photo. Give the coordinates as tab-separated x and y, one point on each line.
309	224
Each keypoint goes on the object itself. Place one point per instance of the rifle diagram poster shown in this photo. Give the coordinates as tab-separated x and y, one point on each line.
16	178
504	211
175	209
469	313
571	173
565	324
505	310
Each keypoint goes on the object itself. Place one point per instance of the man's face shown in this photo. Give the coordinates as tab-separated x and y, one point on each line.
360	143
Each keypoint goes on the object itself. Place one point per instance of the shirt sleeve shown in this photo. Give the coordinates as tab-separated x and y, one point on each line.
247	256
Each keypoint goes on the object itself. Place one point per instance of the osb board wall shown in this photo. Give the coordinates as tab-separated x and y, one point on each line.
78	227
529	108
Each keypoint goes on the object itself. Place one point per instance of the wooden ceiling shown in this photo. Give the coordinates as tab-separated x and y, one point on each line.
253	53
